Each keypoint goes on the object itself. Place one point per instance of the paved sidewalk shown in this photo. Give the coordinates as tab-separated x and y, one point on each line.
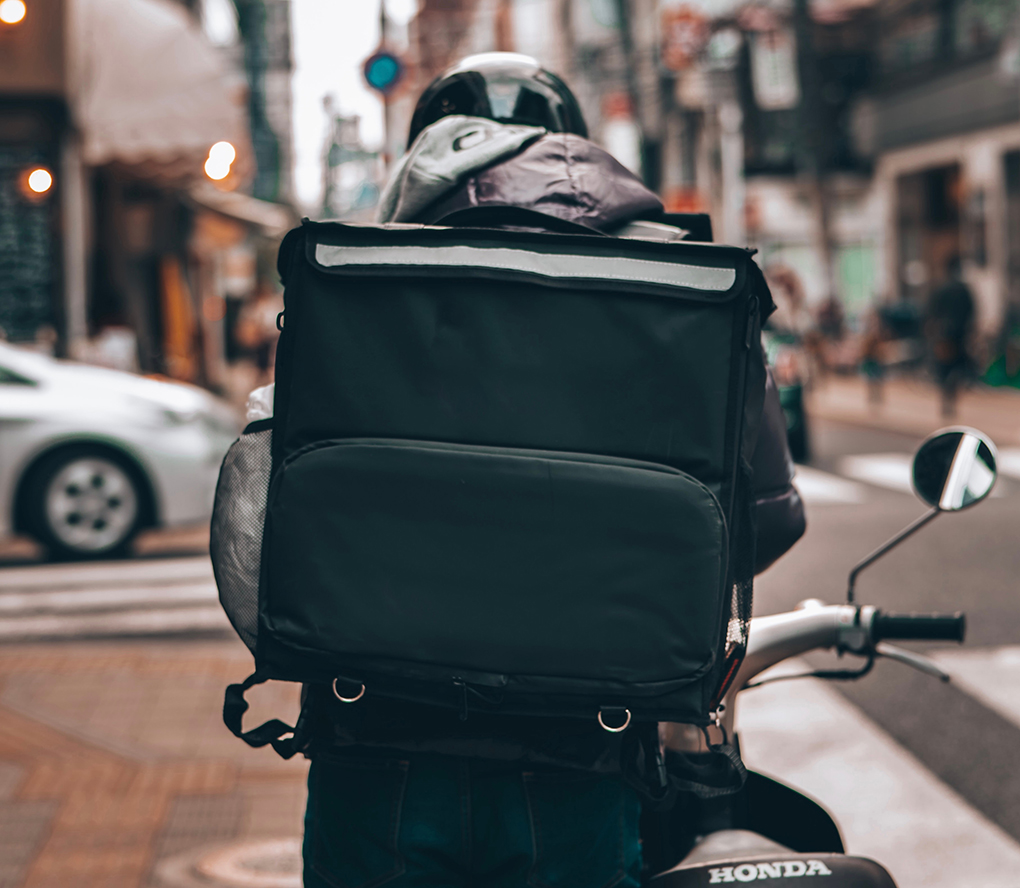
912	406
117	772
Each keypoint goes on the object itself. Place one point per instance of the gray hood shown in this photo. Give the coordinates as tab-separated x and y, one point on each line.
442	156
461	162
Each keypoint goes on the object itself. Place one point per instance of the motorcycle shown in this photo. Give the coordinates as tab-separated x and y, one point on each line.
768	831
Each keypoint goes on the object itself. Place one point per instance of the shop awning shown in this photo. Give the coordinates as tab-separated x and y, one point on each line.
148	89
273	220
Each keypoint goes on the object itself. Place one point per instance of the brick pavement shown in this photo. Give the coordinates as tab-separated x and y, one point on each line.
113	757
911	406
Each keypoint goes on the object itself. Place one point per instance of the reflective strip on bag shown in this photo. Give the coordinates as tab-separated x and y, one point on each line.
548	265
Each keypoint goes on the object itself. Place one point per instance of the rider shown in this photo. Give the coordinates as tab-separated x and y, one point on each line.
406	794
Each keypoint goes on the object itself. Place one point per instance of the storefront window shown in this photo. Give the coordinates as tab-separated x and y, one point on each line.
980	24
27	246
909	41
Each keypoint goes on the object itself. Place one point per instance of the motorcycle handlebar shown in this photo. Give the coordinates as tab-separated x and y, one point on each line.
919	627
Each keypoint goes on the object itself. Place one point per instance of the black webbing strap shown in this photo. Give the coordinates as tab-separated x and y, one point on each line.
271	732
659	778
492	216
724	775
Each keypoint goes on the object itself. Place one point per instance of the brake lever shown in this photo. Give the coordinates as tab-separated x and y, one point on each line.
909	658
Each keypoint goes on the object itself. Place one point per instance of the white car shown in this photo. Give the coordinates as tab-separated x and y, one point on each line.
90	456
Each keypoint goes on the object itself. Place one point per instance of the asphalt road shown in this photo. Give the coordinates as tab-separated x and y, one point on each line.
968	561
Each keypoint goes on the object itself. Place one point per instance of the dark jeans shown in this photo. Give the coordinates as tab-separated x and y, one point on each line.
435	822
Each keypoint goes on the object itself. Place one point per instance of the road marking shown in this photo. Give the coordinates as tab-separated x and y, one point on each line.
23	603
149	597
1008	462
889	470
991	675
106	573
138	622
893	471
888	805
816	487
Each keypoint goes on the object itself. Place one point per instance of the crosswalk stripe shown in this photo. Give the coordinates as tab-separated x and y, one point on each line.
1008	462
816	486
889	470
130	622
893	471
991	675
106	573
102	599
888	805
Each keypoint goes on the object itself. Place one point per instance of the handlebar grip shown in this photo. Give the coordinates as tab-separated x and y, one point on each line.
926	627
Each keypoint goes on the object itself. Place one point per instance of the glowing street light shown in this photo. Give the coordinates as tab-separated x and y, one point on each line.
12	11
217	164
40	180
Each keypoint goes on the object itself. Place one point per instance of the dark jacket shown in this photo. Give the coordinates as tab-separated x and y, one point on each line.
568	177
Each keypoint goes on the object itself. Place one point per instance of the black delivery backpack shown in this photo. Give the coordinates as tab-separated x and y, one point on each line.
507	471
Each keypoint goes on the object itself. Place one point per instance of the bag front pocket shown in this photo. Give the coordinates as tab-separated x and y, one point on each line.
494	561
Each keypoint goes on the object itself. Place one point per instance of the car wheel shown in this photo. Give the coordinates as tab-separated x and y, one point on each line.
84	503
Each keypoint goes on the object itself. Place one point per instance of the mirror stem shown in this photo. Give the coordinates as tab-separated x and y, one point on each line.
885	547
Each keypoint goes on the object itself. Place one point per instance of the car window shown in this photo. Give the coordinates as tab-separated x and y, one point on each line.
9	377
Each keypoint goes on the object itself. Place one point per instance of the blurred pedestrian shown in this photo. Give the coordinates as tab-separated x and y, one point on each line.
793	322
256	331
791	315
948	328
873	362
831	319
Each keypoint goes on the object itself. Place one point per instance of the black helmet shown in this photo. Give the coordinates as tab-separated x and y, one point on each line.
502	86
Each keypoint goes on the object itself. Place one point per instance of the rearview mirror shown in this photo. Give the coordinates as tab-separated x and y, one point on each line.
954	469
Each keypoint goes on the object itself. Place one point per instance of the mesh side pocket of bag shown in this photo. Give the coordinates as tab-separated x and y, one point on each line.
235	538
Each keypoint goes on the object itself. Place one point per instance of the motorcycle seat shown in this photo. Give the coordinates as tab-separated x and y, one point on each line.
733	856
731	844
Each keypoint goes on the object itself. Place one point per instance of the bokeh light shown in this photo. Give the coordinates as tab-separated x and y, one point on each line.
12	11
217	164
40	180
223	151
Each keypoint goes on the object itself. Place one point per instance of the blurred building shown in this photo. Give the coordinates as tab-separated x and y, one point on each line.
127	254
861	143
801	75
434	38
577	39
34	132
264	28
943	122
352	174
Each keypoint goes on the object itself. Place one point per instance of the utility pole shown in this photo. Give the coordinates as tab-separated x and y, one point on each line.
568	49
504	26
388	154
637	41
814	140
